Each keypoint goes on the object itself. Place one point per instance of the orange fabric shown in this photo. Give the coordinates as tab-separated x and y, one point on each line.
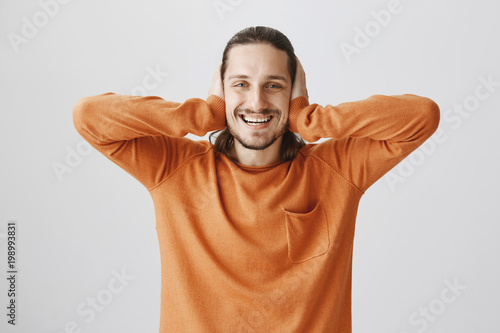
255	249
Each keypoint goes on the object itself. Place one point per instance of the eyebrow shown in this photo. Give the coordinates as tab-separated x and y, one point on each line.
268	77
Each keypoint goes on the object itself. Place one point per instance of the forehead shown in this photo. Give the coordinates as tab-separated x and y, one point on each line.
257	60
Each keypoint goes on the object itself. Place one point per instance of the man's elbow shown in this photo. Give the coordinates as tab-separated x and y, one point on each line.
87	114
81	112
431	114
88	110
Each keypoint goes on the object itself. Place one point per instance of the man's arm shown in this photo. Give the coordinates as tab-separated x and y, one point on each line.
369	137
144	135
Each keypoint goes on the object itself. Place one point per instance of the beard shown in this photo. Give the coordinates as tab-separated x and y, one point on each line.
259	141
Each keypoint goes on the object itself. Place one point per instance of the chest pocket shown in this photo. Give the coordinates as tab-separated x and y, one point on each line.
307	234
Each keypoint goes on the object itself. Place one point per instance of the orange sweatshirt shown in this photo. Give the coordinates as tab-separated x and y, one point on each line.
255	249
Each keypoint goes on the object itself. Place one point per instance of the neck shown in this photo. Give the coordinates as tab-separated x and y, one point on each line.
252	157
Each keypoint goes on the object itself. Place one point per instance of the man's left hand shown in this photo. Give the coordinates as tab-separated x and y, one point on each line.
299	85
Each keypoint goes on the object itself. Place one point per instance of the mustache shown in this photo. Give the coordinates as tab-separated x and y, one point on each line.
264	112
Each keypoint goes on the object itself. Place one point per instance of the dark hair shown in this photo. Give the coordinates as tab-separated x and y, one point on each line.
261	35
291	142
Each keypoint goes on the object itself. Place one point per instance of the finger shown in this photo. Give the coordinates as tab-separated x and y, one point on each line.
300	73
219	69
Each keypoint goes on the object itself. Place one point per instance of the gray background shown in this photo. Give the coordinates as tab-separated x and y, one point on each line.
433	219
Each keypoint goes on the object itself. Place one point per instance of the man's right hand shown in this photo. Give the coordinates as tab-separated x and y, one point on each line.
217	88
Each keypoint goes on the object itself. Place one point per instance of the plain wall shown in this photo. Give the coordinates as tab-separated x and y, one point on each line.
432	222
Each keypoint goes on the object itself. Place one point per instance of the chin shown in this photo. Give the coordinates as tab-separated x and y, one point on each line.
256	146
255	143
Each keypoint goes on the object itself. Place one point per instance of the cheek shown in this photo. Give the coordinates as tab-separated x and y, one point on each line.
283	105
233	101
230	96
230	114
230	107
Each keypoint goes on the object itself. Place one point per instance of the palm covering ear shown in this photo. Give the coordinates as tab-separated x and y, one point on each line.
217	88
299	85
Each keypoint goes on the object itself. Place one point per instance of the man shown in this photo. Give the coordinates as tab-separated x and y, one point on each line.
256	230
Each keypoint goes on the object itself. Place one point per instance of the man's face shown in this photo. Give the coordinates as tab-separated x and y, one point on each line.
257	88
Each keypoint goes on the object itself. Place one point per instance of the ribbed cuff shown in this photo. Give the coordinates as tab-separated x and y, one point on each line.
296	106
218	108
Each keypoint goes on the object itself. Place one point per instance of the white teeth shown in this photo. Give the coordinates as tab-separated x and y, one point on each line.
256	121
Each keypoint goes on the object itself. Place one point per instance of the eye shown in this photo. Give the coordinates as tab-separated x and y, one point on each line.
274	86
240	85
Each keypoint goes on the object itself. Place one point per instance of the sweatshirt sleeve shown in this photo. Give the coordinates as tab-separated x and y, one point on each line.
145	135
368	137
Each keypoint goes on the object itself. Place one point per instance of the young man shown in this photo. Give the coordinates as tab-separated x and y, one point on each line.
256	230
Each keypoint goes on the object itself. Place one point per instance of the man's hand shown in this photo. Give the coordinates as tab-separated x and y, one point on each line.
217	88
299	85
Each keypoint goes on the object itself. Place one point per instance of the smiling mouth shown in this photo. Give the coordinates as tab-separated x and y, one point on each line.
256	120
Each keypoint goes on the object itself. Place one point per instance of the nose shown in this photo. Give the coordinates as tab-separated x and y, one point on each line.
257	100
